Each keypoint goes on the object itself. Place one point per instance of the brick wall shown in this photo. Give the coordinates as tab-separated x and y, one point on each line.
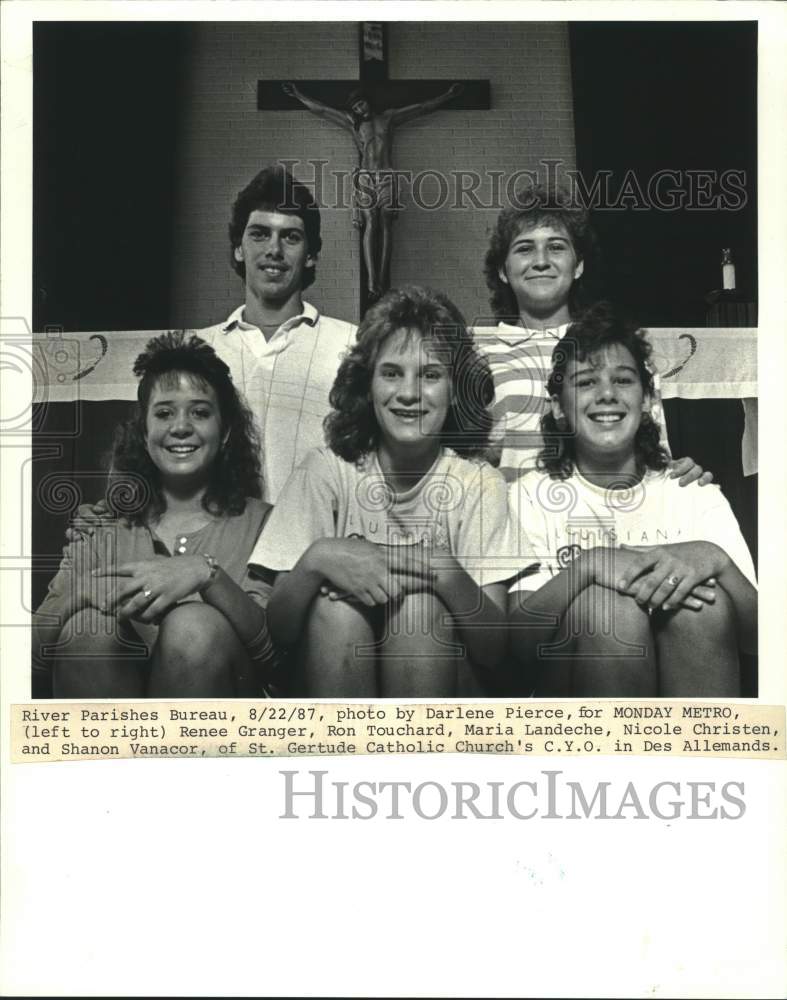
224	140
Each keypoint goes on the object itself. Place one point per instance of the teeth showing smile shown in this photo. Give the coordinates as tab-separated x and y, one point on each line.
408	414
607	418
182	449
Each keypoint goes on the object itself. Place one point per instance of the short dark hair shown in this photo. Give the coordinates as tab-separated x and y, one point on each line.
274	189
351	428
236	473
597	328
534	205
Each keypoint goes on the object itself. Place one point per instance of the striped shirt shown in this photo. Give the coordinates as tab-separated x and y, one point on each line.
521	361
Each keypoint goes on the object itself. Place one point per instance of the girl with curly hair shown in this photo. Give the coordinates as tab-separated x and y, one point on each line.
392	545
643	587
155	600
541	269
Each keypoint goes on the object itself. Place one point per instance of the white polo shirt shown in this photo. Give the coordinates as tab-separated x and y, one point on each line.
286	381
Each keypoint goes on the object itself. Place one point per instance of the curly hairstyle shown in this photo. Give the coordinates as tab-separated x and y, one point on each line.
598	328
274	189
534	205
351	429
236	473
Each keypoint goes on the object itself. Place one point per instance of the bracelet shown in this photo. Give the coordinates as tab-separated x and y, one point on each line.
261	646
214	568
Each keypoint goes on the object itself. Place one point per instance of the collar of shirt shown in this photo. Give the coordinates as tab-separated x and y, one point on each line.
619	498
309	315
517	334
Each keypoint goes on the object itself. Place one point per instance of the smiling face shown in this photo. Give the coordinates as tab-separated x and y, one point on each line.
602	402
540	267
183	430
411	392
275	254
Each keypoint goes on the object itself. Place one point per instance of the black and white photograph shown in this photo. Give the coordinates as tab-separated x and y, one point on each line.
451	232
388	356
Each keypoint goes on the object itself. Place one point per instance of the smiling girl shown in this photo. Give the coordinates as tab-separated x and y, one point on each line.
157	601
644	587
541	267
391	544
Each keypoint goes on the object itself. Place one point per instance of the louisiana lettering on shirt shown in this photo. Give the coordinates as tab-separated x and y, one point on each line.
286	381
521	360
563	517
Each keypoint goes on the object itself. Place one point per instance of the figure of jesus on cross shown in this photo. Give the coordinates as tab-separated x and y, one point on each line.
374	181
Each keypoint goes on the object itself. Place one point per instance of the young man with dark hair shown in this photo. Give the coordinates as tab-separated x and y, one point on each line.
282	353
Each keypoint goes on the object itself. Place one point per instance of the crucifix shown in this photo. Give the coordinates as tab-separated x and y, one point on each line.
354	105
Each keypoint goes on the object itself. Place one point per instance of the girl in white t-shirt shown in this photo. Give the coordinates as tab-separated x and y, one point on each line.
642	587
392	546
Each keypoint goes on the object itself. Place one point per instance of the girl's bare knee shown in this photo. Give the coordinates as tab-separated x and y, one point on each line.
422	619
195	654
425	607
609	619
419	654
98	657
714	622
91	633
336	657
197	633
337	618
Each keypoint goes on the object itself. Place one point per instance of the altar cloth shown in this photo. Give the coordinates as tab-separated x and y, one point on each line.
699	363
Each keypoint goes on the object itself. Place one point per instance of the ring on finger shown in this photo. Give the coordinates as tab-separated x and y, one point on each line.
147	592
673	581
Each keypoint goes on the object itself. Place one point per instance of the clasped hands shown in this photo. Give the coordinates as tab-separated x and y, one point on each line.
145	590
666	577
661	576
356	569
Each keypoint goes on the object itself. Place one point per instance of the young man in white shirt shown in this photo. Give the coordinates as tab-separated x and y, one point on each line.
282	353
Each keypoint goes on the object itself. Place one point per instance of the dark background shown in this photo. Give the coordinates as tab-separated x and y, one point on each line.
647	96
655	96
106	99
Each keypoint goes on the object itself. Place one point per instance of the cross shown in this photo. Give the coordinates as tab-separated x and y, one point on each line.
405	99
